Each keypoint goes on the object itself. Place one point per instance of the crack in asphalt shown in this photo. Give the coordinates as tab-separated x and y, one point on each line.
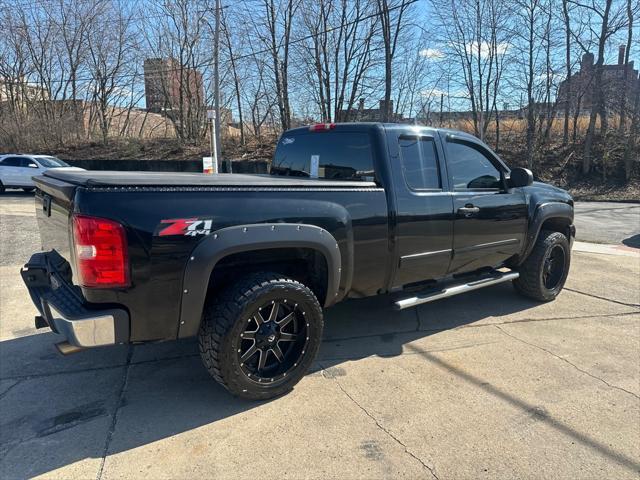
431	470
8	446
603	298
18	381
568	362
114	418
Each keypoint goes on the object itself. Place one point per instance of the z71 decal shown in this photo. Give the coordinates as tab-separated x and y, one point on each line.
191	227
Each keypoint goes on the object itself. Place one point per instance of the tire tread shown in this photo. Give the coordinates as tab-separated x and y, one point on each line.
223	311
528	284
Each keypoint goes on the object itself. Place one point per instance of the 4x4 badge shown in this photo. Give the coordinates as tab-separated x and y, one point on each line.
186	226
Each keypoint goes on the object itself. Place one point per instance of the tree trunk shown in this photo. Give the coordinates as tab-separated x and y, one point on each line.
568	99
623	96
597	104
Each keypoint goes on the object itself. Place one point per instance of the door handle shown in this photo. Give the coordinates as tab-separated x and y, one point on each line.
468	210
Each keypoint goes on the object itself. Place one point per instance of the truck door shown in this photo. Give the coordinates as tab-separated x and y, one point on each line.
490	221
424	208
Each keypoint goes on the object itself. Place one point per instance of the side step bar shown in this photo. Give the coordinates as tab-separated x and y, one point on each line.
454	290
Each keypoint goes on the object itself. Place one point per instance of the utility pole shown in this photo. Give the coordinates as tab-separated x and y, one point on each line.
212	138
216	90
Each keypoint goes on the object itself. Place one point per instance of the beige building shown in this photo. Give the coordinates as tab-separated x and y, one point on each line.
19	91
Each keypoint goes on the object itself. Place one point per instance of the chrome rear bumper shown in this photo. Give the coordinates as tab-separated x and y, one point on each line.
63	309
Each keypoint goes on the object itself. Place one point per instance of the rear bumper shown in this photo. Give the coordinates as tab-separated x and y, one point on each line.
63	309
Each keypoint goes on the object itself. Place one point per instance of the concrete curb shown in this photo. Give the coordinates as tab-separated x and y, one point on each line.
620	250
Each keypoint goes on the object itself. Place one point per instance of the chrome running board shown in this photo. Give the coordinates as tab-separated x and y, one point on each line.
450	291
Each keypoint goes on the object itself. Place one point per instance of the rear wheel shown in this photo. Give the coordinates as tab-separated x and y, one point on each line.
544	272
259	337
1	188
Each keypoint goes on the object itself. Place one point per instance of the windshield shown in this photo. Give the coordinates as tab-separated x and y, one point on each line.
51	162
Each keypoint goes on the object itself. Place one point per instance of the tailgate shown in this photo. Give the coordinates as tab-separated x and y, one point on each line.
54	203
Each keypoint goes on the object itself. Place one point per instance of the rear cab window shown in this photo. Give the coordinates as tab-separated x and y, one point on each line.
331	155
419	160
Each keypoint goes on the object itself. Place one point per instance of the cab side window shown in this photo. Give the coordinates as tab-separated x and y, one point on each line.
419	160
471	169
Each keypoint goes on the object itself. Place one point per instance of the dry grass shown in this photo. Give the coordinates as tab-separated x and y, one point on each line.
518	126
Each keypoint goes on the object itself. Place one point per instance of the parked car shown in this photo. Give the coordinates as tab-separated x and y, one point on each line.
16	171
247	262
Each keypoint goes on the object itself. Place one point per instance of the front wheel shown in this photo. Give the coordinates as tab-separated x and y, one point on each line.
260	336
544	272
29	189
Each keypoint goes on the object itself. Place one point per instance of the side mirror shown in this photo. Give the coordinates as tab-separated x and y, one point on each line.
33	165
520	177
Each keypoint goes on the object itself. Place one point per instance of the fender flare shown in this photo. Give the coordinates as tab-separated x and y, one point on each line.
543	213
244	238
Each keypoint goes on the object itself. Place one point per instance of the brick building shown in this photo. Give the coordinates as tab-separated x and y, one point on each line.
169	87
615	84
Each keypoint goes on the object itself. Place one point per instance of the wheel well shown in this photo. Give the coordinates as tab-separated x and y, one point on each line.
306	265
557	224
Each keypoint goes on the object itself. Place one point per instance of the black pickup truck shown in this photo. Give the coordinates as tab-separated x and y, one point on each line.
248	262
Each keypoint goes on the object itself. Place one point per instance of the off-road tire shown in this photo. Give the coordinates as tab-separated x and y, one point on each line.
531	283
224	319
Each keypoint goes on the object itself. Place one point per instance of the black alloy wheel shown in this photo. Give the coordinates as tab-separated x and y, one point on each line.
259	336
544	272
274	341
553	268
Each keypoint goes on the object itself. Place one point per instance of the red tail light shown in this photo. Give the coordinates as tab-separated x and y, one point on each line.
319	127
101	252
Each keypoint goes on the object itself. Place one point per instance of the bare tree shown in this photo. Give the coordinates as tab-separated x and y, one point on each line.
610	23
109	43
567	36
392	21
178	43
623	97
233	65
475	34
337	54
279	22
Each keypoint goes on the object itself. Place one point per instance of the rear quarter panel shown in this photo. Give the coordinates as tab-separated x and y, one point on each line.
357	218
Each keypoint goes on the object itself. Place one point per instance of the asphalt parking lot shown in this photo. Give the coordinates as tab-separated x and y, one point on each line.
487	385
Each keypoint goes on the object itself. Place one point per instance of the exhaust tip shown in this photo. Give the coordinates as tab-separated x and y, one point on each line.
65	348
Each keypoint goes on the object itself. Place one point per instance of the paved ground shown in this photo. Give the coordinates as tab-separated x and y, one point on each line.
488	385
608	222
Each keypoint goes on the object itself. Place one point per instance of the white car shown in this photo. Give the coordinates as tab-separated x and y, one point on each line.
16	170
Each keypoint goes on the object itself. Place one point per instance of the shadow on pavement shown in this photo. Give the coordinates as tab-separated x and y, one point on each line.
633	241
13	193
110	400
